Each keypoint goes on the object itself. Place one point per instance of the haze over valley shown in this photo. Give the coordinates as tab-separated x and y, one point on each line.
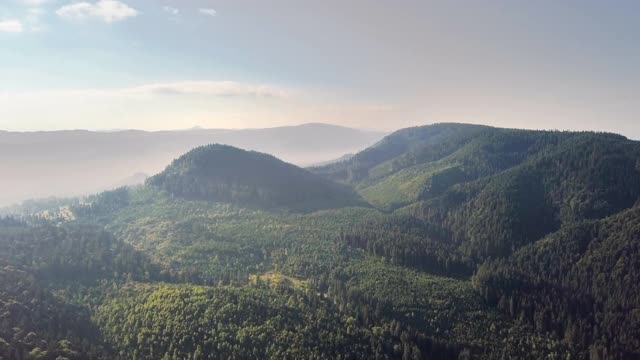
79	162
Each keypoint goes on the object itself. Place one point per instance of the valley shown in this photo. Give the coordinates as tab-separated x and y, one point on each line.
445	241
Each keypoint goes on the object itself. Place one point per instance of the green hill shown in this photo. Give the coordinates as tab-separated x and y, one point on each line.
421	163
492	189
548	217
229	175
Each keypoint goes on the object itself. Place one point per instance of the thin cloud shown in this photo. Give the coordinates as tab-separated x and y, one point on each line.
200	88
11	26
36	2
207	88
208	11
171	10
109	11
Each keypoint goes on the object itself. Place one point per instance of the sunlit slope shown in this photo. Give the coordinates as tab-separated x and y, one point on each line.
495	189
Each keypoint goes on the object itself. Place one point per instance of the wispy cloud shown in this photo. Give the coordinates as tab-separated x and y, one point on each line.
208	88
208	11
36	2
201	88
109	11
171	10
11	26
146	105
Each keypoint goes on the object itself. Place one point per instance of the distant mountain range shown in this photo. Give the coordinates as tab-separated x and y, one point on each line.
78	162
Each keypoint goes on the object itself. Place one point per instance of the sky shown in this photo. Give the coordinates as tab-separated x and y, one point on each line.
154	65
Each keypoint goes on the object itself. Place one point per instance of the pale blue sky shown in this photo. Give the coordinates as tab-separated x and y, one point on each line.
375	64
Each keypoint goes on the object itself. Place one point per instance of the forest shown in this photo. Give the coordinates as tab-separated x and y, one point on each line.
447	241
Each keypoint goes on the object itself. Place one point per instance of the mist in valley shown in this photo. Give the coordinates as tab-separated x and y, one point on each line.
79	162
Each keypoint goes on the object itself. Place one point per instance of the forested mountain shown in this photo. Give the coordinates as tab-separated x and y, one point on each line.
525	205
491	190
226	174
475	243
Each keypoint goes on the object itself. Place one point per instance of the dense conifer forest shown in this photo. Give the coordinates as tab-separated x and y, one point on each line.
447	241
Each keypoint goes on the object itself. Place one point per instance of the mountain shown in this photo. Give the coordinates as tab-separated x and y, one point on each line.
475	243
545	220
226	174
402	149
489	191
78	162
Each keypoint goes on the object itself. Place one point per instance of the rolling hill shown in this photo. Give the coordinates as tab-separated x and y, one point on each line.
226	174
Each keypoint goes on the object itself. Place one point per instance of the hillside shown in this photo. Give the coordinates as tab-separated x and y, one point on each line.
56	163
341	301
580	282
494	190
226	174
548	217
